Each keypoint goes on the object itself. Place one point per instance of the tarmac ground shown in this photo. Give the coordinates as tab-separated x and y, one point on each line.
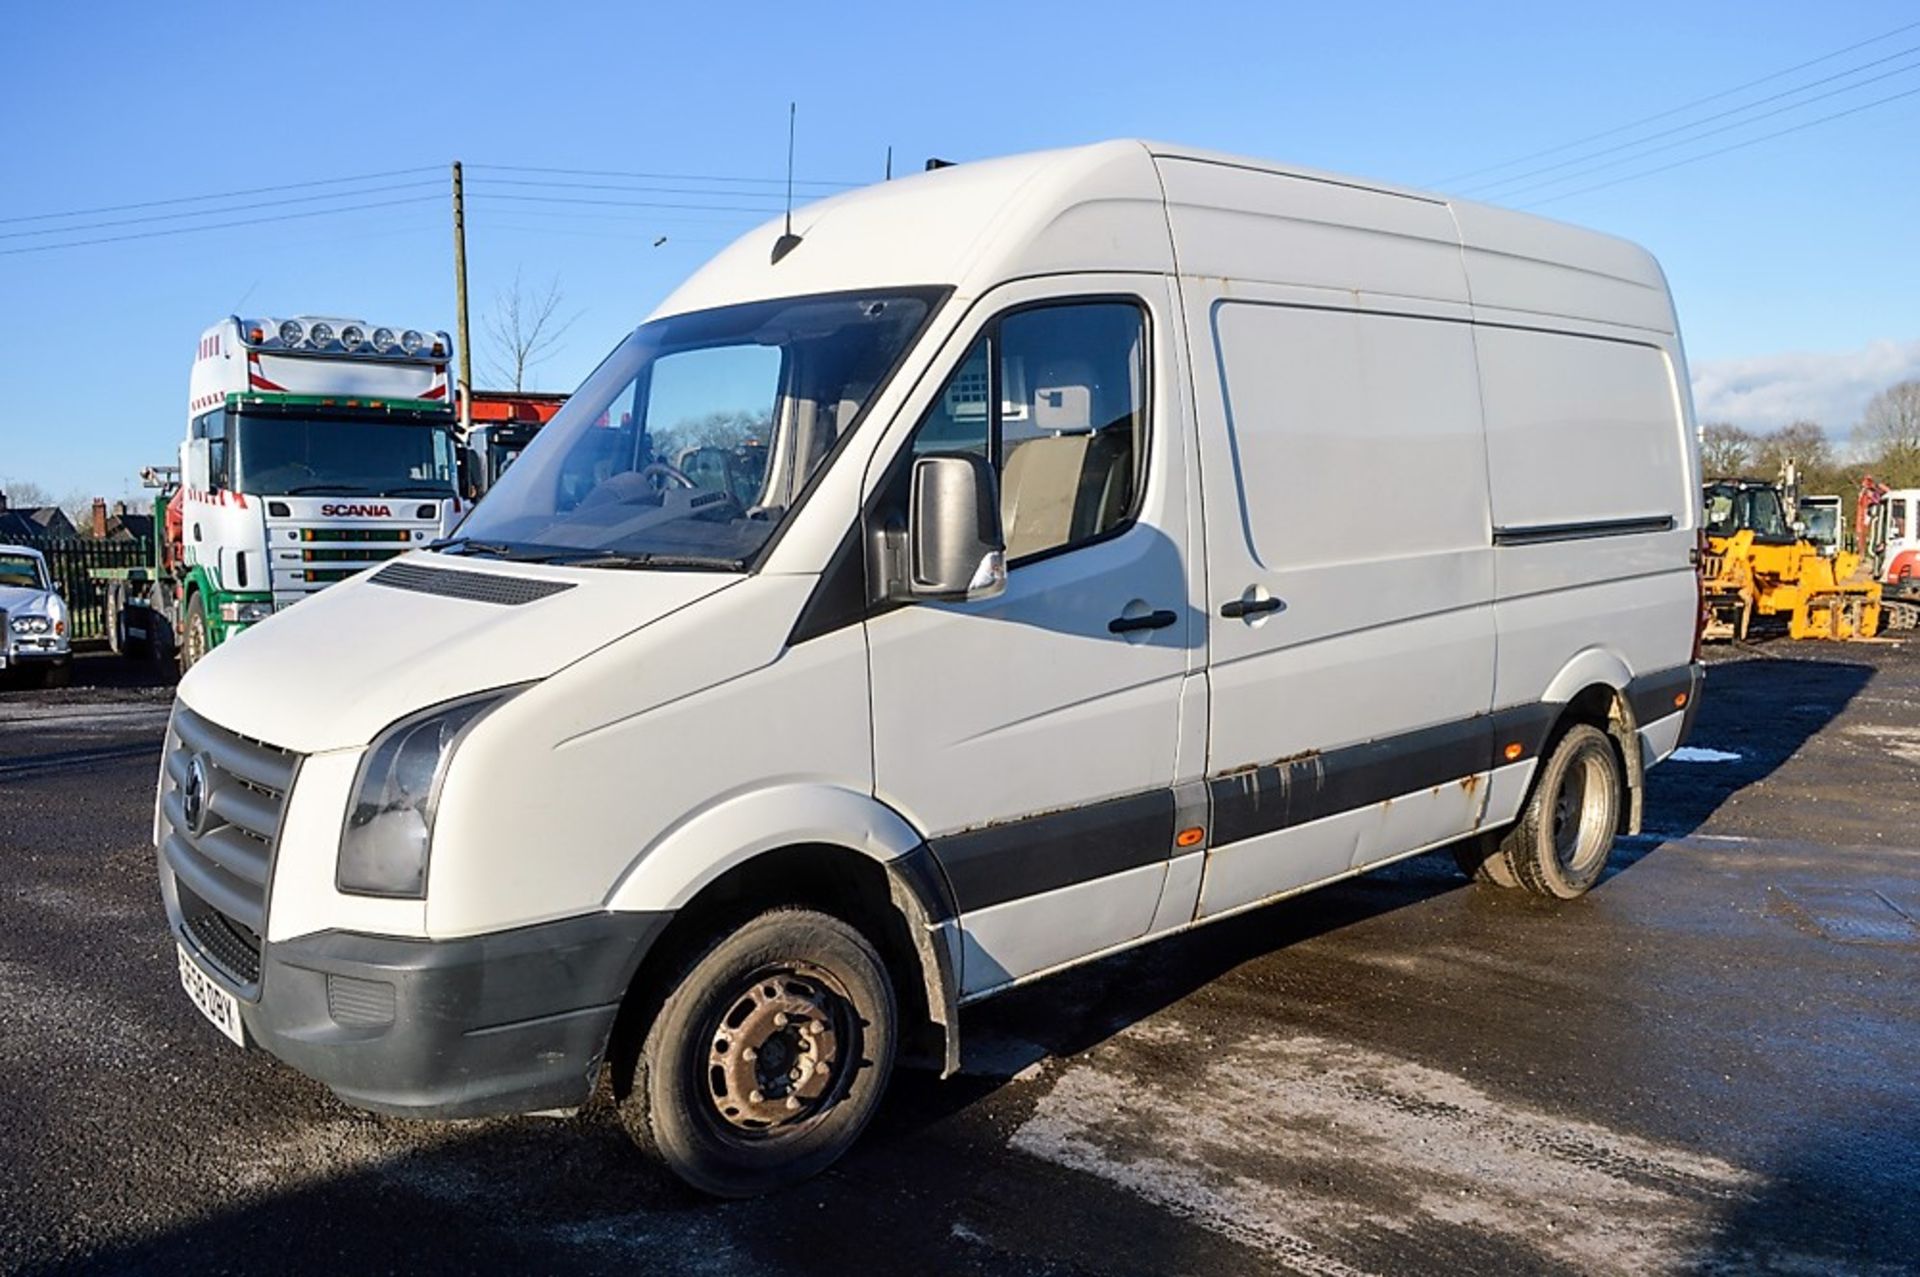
1706	1064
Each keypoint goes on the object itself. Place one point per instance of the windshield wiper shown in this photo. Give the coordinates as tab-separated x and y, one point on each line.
329	489
493	549
417	490
619	559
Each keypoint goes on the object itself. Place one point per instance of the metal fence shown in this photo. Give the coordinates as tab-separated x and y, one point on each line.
72	561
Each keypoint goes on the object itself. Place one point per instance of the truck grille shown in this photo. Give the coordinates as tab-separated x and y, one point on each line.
221	859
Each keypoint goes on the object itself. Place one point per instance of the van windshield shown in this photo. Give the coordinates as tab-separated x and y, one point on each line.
698	435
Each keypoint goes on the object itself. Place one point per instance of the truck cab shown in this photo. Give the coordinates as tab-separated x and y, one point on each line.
315	448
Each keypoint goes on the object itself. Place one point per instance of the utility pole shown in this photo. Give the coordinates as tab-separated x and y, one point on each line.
460	302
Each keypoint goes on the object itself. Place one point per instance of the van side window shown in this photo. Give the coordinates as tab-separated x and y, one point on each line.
1055	396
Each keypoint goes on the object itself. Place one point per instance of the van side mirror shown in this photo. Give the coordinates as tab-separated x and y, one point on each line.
955	547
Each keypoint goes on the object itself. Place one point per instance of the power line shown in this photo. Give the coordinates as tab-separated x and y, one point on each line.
225	195
1752	141
615	186
1701	137
215	212
563	199
217	226
1718	115
1673	111
663	177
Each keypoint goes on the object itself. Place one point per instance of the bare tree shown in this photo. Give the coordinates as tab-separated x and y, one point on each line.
722	429
523	330
1803	442
1725	449
1890	431
25	494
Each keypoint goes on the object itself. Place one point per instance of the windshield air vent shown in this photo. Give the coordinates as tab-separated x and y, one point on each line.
478	587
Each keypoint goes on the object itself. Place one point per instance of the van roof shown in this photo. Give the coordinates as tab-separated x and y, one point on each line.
1104	208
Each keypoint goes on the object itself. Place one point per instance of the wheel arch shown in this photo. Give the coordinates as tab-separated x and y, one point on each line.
821	846
1593	688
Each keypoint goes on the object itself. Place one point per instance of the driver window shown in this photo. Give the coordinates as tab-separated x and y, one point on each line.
1055	396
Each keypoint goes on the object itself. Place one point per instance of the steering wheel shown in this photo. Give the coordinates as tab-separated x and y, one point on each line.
674	473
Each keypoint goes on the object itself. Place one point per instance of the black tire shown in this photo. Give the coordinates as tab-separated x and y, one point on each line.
57	674
681	1107
1560	844
1480	859
193	639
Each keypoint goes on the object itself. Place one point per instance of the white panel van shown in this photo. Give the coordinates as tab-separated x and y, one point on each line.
1016	563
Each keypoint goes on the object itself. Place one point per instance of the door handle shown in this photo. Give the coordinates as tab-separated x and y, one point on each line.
1151	621
1250	607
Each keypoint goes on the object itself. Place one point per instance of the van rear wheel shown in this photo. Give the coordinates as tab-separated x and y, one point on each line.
768	1057
1481	858
1559	847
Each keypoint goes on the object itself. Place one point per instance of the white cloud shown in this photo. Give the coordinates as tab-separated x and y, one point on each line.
1763	392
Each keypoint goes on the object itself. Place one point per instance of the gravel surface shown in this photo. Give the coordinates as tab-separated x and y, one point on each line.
1706	1064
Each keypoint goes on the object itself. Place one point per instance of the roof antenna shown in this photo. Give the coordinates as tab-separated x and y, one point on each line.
889	164
788	241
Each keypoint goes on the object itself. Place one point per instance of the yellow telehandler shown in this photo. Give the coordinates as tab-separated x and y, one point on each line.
1759	563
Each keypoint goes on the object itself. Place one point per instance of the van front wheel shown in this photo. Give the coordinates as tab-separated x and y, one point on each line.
768	1057
1559	848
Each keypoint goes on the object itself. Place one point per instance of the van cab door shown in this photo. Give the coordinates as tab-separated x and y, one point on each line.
1033	736
1350	564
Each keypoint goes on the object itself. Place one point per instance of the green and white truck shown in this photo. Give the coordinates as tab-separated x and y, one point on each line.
316	447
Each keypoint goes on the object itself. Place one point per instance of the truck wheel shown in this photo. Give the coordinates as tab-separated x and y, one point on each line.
193	641
768	1057
1559	847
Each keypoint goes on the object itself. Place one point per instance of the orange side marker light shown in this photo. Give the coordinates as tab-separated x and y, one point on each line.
1513	751
1679	700
1189	837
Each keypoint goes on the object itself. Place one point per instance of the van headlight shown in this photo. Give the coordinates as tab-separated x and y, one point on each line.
389	830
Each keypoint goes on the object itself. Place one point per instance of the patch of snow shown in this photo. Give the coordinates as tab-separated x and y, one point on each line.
1695	754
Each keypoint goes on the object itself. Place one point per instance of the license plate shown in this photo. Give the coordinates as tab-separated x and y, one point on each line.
214	1002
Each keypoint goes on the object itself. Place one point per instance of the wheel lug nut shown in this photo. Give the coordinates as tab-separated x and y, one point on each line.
793	1101
779	1019
756	1097
750	1054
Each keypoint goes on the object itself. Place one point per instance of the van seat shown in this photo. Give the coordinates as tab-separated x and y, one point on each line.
1066	488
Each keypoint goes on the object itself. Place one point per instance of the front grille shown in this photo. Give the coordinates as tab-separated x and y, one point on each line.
221	860
224	942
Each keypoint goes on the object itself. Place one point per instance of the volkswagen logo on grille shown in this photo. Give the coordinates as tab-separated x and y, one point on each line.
193	795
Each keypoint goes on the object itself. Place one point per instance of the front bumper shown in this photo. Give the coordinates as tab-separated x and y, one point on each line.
37	651
509	1022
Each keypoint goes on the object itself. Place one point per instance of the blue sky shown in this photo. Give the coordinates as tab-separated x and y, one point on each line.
1796	262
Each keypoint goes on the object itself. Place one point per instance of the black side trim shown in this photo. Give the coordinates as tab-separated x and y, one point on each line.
1542	533
1526	726
1279	795
998	863
1651	695
839	597
922	874
1699	672
476	587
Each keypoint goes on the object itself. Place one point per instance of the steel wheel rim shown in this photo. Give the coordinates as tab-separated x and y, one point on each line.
779	1051
1582	814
